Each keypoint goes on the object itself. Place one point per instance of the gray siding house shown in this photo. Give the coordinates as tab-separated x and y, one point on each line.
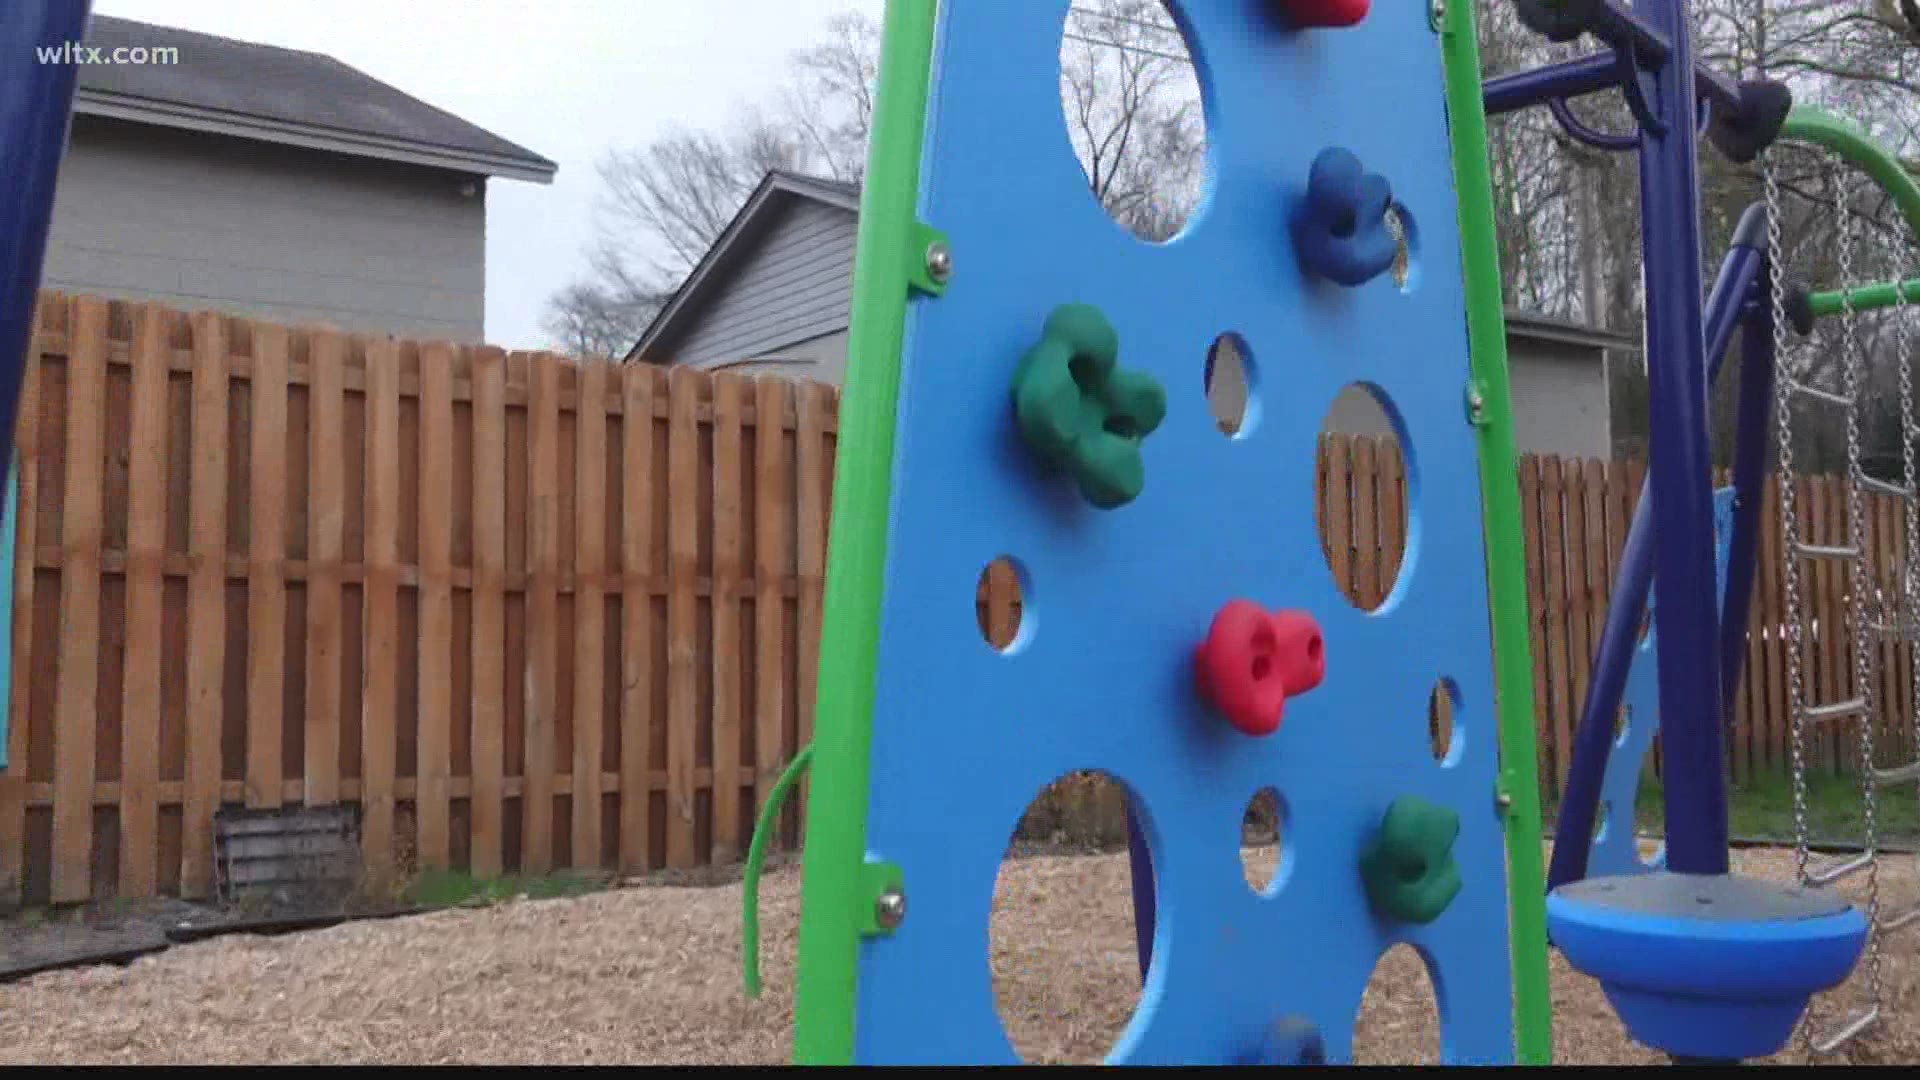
774	293
277	184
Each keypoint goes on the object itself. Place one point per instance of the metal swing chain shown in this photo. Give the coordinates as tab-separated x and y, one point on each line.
1909	616
1784	476
1795	627
1864	653
1905	617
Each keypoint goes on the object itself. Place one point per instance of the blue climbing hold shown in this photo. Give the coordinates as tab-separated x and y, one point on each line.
1340	230
1706	966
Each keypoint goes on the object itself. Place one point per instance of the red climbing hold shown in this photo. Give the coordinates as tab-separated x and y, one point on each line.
1324	12
1254	660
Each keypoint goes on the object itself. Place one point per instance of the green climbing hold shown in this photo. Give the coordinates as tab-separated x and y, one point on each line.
1408	867
1083	414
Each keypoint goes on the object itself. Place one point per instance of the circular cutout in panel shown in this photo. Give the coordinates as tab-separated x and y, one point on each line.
1601	816
1406	241
1399	1017
1366	510
1232	384
1263	842
1622	725
1443	732
1061	938
1003	605
1131	101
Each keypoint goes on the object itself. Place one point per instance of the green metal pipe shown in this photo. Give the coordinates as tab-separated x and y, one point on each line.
1867	298
1823	129
757	859
832	878
1490	400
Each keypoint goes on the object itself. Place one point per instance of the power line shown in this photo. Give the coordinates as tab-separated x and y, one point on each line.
1165	28
1187	60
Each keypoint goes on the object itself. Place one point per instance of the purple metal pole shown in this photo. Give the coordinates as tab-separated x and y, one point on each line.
1749	476
1588	75
1574	78
1717	88
1681	483
1140	863
36	100
1738	283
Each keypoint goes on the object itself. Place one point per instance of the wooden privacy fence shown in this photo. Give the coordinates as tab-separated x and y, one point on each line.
1576	515
529	614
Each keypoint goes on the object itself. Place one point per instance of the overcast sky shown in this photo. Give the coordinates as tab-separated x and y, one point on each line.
566	79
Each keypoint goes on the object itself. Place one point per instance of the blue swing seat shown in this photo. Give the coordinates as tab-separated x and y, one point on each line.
1706	966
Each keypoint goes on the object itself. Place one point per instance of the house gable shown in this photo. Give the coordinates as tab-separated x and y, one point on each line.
796	285
781	274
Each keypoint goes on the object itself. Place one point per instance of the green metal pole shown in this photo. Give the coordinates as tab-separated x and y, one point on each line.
1823	129
1490	407
1867	298
833	904
756	862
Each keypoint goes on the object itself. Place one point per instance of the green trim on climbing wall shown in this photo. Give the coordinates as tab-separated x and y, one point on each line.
1823	129
886	263
1490	402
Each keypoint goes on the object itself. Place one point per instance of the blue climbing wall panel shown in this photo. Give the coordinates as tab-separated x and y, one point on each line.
1615	849
1101	674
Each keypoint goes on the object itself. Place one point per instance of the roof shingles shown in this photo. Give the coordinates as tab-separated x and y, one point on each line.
276	84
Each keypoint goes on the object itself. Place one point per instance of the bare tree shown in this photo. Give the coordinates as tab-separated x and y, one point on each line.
830	98
1853	57
662	205
585	320
660	208
1133	110
1130	99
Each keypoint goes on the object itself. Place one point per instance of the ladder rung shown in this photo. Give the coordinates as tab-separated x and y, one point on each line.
1906	918
1823	551
1901	628
1856	1024
1885	488
1836	871
1833	710
1905	774
1818	394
